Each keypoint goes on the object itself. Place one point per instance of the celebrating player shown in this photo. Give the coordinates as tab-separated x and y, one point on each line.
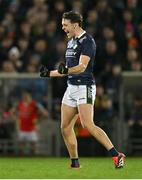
81	91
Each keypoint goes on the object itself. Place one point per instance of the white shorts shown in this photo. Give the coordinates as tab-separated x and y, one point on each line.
28	136
79	94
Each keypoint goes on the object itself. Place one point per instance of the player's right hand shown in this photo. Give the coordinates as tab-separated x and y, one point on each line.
62	69
44	72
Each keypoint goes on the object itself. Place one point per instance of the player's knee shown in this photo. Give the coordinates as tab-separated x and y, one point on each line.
65	130
88	124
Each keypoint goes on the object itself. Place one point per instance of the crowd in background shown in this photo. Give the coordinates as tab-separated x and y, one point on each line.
31	34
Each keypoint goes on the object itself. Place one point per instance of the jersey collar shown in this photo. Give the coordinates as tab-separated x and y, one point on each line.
81	34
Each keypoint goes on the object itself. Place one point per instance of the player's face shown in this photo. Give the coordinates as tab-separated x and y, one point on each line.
68	27
26	96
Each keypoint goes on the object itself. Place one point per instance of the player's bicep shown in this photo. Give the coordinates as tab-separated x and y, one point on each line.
84	60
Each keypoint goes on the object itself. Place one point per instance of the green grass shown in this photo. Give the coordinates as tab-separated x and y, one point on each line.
58	168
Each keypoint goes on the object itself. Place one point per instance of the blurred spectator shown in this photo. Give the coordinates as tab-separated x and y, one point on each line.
104	114
134	7
23	46
105	13
35	61
77	5
92	22
8	67
112	53
136	66
51	35
131	56
135	119
24	30
136	113
26	114
113	83
59	9
38	15
108	33
8	23
31	68
14	57
7	127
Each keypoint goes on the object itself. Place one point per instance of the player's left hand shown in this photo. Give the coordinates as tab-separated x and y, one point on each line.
62	69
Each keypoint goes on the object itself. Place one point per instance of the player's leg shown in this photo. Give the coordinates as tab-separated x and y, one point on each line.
68	119
68	112
22	142
86	115
67	128
33	140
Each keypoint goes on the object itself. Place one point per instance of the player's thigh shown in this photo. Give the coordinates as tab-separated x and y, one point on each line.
86	113
68	115
32	136
22	136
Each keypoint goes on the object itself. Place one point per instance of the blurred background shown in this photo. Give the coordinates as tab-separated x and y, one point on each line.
31	35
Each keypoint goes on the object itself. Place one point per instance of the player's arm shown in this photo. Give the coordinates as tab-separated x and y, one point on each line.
55	73
42	110
44	72
86	54
83	62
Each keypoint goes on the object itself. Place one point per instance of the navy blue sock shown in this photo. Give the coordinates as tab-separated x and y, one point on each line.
113	152
75	162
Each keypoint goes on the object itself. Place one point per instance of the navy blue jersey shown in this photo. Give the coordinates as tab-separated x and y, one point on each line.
84	45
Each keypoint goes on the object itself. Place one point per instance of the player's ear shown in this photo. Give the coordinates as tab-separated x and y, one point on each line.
75	25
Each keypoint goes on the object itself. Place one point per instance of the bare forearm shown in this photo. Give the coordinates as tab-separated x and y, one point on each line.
77	69
55	73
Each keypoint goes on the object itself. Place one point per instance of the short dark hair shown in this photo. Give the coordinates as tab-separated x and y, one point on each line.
74	17
27	90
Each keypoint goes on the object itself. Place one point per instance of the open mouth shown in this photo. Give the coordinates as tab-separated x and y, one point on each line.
67	32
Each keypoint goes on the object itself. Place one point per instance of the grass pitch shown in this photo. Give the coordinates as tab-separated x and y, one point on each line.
58	168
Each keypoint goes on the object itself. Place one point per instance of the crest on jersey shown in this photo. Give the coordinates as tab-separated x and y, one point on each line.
70	44
75	46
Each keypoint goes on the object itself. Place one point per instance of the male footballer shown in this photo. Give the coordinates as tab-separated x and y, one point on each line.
81	91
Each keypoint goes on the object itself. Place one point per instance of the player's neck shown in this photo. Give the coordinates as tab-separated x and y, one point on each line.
78	32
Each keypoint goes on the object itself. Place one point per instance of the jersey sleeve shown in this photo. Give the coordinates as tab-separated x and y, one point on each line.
87	48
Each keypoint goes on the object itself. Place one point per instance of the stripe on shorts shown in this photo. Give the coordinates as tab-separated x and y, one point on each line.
89	95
